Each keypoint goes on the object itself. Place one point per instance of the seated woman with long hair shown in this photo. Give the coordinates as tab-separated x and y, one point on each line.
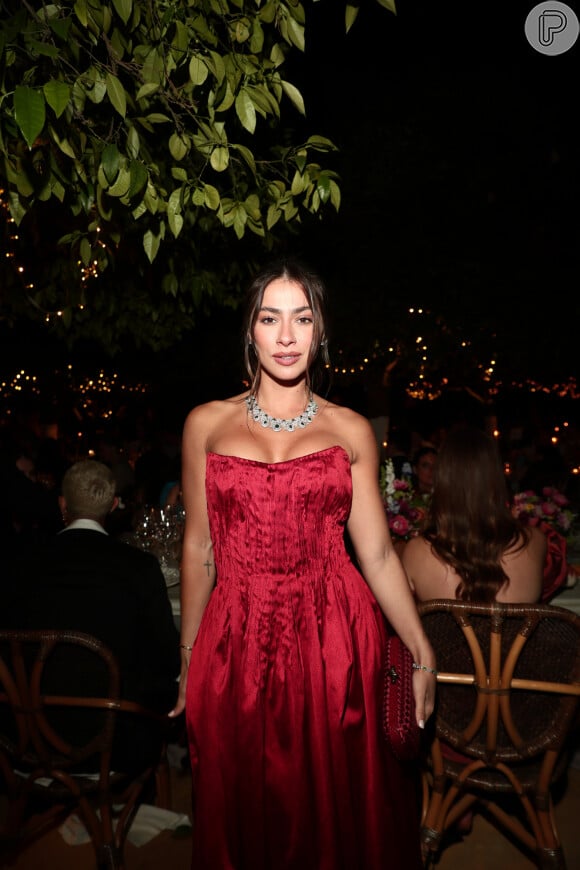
471	546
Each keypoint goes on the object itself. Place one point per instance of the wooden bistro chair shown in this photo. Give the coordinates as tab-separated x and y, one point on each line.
48	733
508	689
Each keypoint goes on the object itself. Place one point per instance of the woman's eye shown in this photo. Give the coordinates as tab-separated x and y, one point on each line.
305	319
266	319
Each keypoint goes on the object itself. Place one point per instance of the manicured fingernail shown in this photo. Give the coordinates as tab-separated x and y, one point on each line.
421	723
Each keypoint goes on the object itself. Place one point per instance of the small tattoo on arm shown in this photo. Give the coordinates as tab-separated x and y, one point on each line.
207	565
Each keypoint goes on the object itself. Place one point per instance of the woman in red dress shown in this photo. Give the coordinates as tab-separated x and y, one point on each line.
282	634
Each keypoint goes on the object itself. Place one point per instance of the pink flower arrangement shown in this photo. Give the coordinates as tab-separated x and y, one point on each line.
551	507
405	509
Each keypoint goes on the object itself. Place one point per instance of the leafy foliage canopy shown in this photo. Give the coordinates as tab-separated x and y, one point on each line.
149	151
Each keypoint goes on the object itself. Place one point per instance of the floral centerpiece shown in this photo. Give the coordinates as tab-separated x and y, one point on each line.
551	506
551	511
404	507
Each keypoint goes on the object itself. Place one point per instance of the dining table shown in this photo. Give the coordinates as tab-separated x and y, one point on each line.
569	597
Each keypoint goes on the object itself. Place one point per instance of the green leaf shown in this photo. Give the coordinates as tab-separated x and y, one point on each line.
323	188
80	8
157	118
321	143
227	101
247	155
178	146
294	95
121	184
139	178
241	31
151	198
240	218
174	201
151	245
123	9
30	112
299	183
296	33
63	144
85	251
245	111
257	39
170	286
106	213
147	89
350	16
220	158
43	49
198	197
389	4
57	94
110	160
133	143
16	208
198	71
335	194
60	27
277	55
211	196
116	93
217	66
175	223
57	189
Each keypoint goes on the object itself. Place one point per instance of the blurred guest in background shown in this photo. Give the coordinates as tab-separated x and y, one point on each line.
424	463
29	511
472	547
88	581
399	449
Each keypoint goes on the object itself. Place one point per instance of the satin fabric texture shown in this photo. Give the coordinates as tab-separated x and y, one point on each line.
290	767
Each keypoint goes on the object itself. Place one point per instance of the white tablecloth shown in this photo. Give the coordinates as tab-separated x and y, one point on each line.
569	598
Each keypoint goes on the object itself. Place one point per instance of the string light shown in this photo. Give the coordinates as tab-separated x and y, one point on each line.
86	273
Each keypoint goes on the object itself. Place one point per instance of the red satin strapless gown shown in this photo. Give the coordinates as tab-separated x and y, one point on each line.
290	769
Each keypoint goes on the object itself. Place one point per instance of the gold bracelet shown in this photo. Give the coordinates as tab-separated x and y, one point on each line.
417	667
185	646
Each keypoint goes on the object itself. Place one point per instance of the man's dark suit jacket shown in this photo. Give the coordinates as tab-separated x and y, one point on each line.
91	582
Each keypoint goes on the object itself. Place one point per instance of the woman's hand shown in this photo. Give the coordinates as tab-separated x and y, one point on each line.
180	703
424	688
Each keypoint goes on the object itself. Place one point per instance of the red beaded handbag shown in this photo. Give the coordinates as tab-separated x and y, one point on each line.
400	726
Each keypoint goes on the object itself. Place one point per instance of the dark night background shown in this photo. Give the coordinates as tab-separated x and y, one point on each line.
459	162
461	168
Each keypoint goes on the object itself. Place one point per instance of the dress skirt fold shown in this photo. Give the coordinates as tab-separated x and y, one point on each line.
290	769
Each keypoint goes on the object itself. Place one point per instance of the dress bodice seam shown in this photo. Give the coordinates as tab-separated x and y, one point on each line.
282	461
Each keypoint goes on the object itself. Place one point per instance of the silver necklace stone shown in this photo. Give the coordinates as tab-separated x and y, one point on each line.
279	424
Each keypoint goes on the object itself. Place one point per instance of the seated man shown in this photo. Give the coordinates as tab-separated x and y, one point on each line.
88	581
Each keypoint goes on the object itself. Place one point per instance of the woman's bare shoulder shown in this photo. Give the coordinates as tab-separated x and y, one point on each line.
204	417
535	545
346	419
417	550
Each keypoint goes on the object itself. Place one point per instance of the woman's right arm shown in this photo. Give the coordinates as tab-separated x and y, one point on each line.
197	565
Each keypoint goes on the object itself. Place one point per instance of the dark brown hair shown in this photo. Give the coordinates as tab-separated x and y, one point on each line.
469	524
311	283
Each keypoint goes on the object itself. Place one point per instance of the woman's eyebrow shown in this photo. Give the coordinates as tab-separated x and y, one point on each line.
279	310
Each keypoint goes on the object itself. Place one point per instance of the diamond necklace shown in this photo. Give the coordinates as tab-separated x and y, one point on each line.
277	424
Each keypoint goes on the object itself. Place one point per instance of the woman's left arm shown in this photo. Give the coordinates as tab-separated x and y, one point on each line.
381	566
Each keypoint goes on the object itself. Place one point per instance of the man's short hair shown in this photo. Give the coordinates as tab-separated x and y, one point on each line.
89	489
